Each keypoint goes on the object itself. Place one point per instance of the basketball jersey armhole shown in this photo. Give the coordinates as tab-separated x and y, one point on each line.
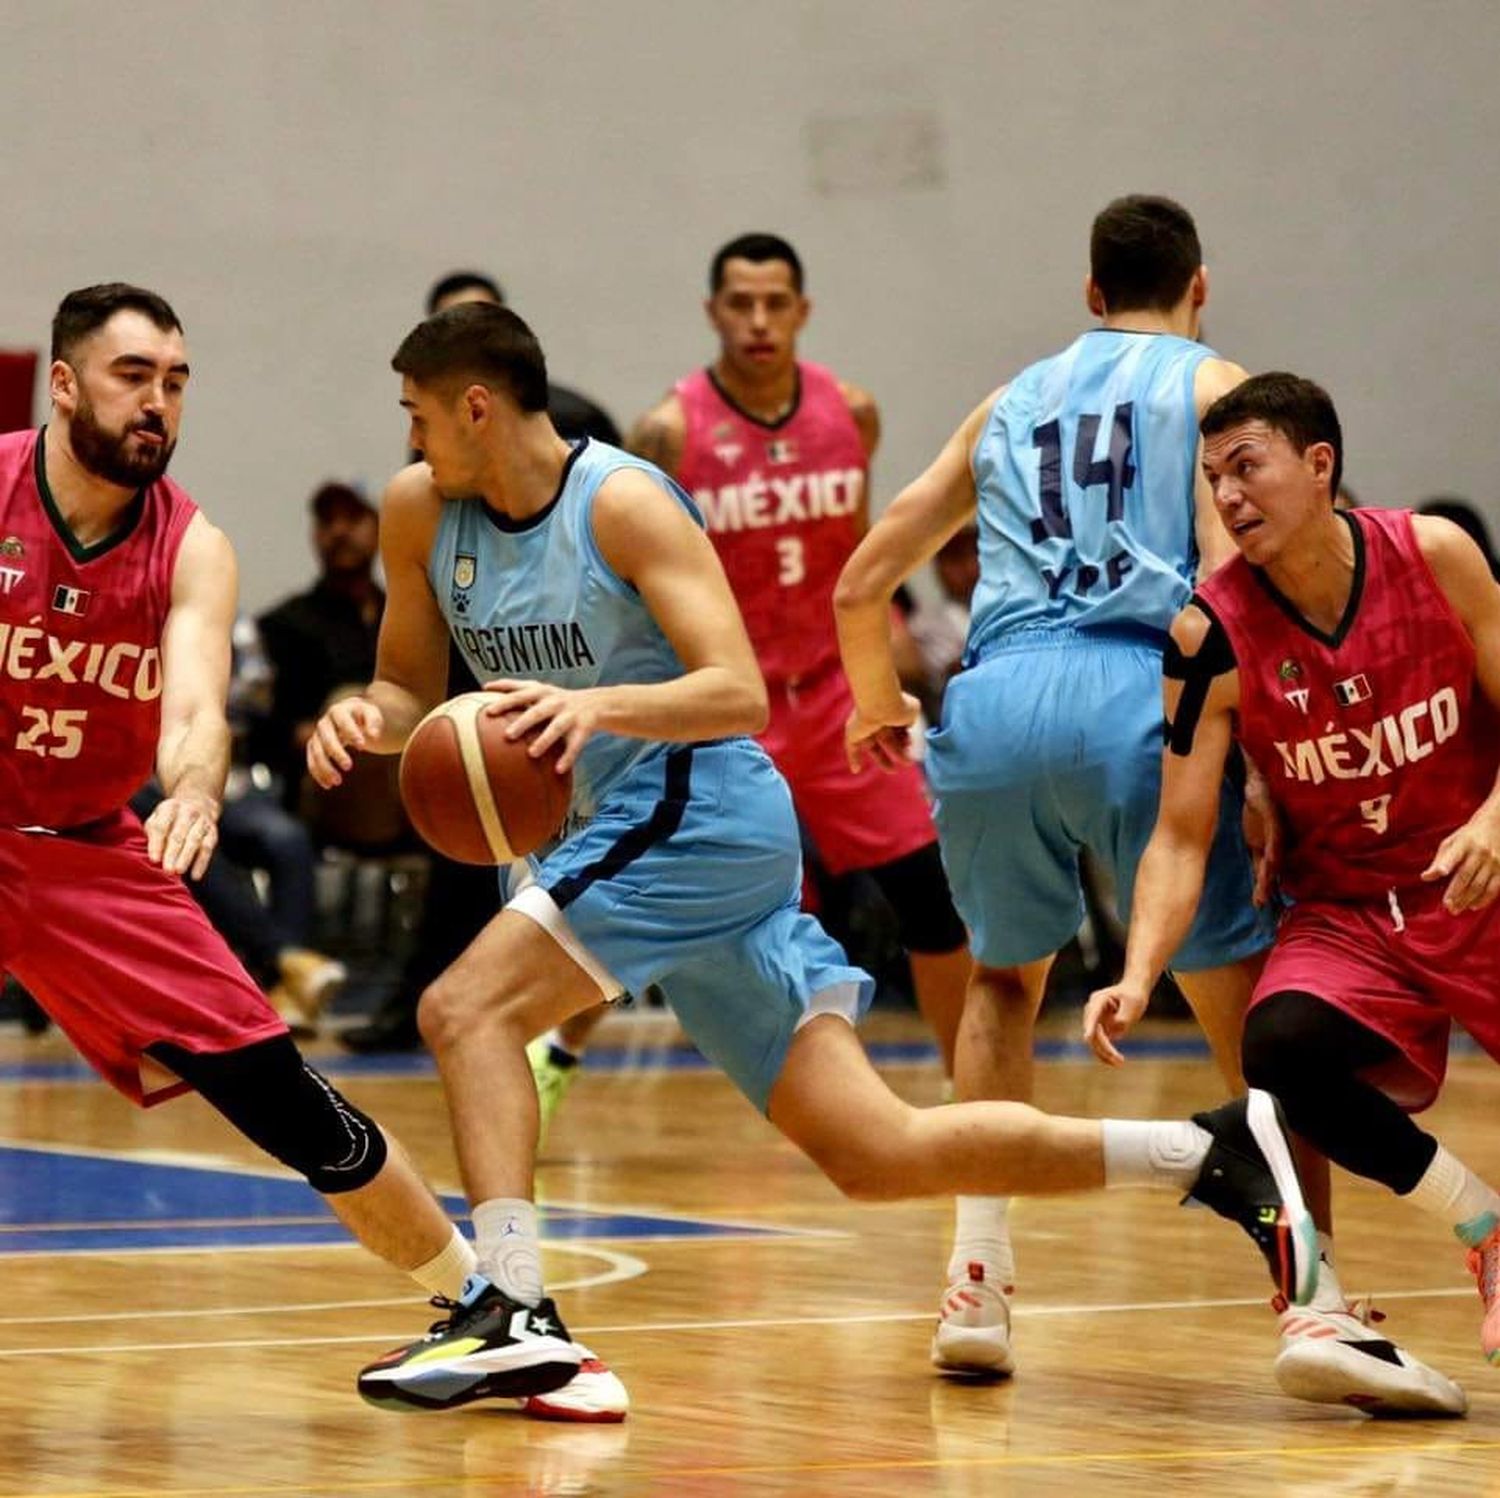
668	485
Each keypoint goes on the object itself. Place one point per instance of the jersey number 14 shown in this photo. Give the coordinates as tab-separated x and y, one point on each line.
1114	473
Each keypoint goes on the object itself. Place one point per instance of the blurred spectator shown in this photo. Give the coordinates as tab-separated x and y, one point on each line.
323	639
573	415
1467	518
941	629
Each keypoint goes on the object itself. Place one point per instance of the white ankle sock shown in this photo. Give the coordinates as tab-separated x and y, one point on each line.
445	1272
1155	1152
1450	1190
506	1244
981	1235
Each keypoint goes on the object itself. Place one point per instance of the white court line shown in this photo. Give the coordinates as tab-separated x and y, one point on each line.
621	1267
870	1319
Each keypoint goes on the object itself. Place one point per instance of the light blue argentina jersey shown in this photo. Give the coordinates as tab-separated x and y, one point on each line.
1084	475
535	600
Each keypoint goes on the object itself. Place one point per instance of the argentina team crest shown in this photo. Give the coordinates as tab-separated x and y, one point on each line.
465	569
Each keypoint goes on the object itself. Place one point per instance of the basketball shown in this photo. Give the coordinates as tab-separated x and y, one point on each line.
475	795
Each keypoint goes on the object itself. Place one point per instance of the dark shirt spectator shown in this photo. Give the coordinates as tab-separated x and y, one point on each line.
325	638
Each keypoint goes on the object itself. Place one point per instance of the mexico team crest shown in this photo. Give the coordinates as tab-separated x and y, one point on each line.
12	546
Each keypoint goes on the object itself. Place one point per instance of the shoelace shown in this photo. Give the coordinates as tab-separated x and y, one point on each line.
445	1323
1484	1265
1364	1311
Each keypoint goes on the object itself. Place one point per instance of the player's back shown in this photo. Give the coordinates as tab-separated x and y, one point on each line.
1085	477
80	644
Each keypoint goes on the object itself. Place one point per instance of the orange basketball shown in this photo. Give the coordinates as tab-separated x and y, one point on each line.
475	795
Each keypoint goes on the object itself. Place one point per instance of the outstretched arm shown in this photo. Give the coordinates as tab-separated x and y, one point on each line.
910	532
192	751
1201	693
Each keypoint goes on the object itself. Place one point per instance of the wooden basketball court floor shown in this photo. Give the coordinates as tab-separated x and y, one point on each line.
180	1320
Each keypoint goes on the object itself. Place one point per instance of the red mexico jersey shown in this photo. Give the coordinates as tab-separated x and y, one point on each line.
80	645
1376	741
782	502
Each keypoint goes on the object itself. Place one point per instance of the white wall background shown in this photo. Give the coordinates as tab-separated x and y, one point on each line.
293	175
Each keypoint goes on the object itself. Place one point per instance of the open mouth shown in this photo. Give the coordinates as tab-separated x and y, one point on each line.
1244	527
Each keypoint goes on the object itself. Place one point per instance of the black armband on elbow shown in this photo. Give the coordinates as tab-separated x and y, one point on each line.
1213	657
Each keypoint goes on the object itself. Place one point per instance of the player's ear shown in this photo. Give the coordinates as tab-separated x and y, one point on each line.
1319	458
1093	297
478	401
1198	286
62	384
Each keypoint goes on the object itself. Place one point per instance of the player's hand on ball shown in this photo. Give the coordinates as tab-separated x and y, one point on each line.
1471	856
883	739
549	715
1109	1014
182	833
352	723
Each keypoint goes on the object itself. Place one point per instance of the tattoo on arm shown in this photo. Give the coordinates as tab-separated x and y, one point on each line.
651	438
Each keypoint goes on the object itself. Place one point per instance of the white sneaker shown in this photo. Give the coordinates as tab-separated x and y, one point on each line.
973	1330
1336	1357
594	1394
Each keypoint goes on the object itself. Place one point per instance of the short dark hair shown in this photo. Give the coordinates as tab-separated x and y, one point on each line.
1300	410
463	280
1143	252
757	248
476	343
87	310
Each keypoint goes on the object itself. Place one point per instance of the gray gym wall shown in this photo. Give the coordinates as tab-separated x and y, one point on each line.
293	176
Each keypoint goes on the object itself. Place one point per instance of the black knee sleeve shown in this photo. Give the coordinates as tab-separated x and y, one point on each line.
275	1099
1312	1057
916	888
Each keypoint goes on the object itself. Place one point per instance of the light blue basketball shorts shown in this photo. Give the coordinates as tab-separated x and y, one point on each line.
1051	745
689	876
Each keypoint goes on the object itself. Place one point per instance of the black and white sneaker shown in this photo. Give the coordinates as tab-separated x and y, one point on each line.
488	1346
1248	1176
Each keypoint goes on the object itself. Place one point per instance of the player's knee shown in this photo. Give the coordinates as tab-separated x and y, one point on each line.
271	1095
1272	1055
916	888
862	1168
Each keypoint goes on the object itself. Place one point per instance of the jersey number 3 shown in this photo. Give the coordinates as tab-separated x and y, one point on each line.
1115	472
56	735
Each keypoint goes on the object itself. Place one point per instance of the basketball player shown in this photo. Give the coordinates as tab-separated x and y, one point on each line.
1082	472
116	602
679	863
1356	656
776	453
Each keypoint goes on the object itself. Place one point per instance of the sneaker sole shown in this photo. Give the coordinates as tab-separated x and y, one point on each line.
1329	1372
453	1382
976	1352
1264	1119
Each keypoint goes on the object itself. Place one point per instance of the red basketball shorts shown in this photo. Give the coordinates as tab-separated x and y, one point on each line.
120	955
1403	968
856	819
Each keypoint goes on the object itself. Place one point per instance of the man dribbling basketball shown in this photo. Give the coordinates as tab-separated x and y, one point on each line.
680	864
